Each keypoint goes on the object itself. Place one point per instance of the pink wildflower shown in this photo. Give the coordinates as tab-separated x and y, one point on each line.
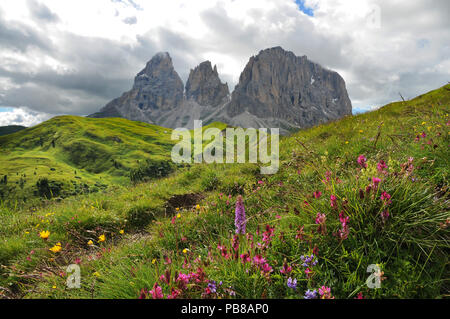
320	218
266	268
258	260
376	181
300	233
268	234
333	201
174	293
245	258
156	292
360	296
308	273
325	293
381	166
385	215
143	294
362	161
386	198
286	270
223	251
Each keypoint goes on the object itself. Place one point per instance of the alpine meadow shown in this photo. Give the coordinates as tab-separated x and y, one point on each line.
366	189
223	158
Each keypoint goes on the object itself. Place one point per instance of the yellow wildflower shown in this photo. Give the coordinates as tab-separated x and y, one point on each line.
101	238
346	142
121	231
179	216
90	243
185	251
96	274
361	131
153	261
44	234
197	207
54	287
177	209
423	123
57	248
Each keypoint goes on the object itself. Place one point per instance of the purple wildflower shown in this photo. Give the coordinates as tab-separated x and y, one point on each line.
240	221
212	286
292	283
311	294
309	260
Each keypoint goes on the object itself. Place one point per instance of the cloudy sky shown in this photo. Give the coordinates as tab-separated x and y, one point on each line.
73	56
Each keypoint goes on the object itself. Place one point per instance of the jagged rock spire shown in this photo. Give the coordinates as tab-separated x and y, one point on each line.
204	85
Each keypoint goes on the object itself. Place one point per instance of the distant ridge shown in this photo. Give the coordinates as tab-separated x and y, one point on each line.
5	130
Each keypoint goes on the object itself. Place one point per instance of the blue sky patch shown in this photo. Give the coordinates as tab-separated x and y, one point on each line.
6	109
423	43
306	10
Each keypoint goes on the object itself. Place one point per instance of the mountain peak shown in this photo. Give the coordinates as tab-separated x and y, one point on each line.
275	89
278	84
204	85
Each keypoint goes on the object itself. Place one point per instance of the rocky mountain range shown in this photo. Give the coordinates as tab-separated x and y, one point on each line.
276	89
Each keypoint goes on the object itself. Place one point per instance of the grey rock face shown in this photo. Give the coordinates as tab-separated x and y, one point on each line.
204	86
157	88
158	84
276	90
276	84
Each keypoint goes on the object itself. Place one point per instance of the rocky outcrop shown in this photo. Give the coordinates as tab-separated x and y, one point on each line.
204	86
276	84
276	89
157	89
159	85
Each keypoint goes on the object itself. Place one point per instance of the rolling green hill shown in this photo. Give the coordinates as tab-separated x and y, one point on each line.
77	154
370	189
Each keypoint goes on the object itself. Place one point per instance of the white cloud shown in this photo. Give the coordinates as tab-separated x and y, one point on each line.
74	56
22	116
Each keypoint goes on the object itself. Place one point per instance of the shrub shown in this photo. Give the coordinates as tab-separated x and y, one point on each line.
151	169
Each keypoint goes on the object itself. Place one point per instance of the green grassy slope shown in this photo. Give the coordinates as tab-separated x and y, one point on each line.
78	154
407	234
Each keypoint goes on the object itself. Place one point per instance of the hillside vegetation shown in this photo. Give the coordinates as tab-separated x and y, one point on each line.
75	155
370	189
